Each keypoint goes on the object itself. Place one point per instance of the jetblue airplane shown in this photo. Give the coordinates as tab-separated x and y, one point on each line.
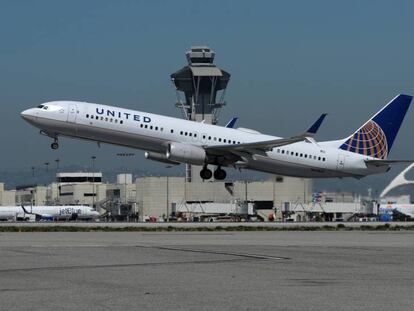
49	212
174	141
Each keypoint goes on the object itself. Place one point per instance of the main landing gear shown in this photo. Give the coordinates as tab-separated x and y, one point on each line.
219	173
55	144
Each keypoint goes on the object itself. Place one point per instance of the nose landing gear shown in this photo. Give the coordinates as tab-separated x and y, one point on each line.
55	144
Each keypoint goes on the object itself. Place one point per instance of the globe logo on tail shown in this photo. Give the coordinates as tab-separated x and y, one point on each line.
369	140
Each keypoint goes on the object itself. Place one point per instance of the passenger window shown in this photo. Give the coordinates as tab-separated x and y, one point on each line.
87	116
181	132
323	159
97	118
190	134
219	139
146	126
319	158
116	120
172	131
209	138
156	128
106	119
301	155
142	125
195	135
224	140
121	122
151	127
204	136
110	120
306	156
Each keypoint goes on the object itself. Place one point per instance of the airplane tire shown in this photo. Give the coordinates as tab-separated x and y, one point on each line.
220	174
205	173
54	146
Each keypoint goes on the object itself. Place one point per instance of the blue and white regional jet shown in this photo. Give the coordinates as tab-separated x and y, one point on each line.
174	141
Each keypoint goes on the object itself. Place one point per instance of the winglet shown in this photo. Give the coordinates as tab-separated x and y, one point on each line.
25	210
232	122
315	126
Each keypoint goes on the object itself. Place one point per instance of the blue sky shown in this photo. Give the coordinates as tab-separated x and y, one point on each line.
289	60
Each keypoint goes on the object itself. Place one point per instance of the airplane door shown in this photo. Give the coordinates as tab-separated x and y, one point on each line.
72	113
341	162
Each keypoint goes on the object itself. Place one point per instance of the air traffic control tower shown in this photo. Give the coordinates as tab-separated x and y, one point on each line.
204	86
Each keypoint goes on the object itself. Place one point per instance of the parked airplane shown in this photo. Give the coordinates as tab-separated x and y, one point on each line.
404	209
49	212
174	141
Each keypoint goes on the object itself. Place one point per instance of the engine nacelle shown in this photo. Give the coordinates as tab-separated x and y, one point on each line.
159	157
178	152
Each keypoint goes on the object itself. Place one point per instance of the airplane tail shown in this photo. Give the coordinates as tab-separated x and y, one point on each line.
376	137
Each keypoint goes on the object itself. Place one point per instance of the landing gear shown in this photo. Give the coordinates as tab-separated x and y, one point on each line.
206	173
55	144
220	174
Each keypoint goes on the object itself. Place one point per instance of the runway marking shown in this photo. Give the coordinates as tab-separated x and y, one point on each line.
145	264
254	256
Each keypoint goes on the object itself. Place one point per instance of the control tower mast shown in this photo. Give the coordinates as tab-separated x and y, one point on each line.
204	86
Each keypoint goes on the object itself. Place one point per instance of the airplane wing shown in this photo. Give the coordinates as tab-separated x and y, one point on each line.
259	145
387	162
234	152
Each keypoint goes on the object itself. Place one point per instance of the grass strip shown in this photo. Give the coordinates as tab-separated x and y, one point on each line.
339	227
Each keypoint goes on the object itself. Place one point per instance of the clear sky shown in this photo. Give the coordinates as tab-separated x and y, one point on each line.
289	60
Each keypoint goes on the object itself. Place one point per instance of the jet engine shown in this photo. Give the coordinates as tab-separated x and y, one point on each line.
184	153
159	157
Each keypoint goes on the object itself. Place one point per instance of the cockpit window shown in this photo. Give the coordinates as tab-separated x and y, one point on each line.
43	107
40	106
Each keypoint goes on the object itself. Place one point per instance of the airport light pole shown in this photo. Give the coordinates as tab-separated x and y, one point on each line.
57	164
125	155
57	184
93	180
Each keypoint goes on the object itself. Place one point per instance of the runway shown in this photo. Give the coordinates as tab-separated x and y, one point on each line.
353	270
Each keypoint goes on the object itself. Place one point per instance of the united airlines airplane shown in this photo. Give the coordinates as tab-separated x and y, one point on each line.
174	141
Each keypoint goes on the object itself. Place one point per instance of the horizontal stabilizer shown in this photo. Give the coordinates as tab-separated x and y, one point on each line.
387	162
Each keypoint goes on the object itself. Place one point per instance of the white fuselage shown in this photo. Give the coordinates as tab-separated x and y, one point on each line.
406	209
151	132
55	212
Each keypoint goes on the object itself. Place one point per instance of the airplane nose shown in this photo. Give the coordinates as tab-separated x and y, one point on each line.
28	114
25	114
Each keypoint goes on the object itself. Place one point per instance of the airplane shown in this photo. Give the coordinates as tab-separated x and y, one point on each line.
404	209
174	141
67	212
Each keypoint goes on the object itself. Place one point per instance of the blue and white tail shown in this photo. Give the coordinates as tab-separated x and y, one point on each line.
376	136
